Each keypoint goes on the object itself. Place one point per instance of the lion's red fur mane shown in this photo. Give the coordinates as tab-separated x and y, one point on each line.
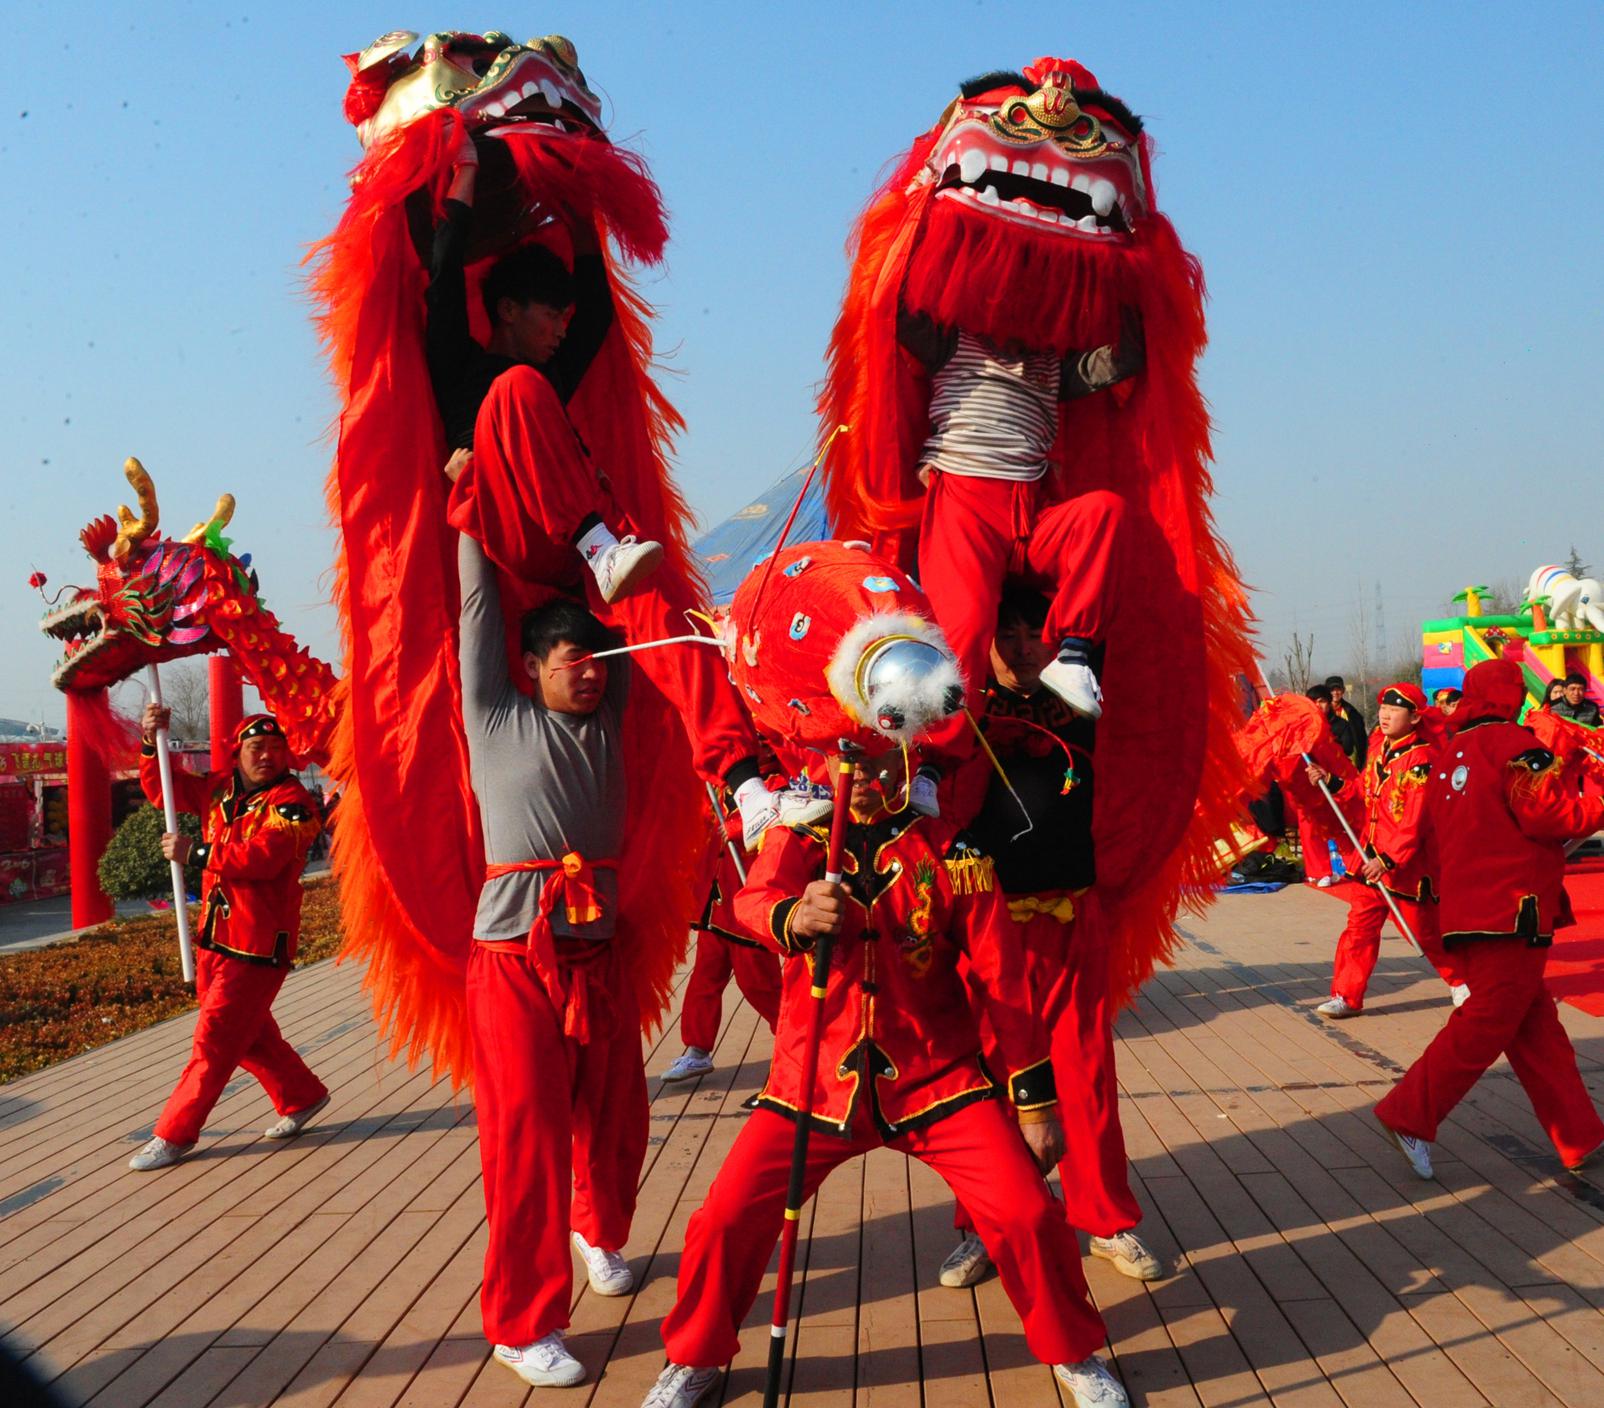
1168	775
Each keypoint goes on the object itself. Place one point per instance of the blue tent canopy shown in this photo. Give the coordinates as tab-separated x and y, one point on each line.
729	551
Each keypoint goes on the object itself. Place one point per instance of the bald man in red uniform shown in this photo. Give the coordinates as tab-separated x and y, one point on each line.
1499	815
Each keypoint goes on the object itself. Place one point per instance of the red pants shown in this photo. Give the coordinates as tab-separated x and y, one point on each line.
530	487
1509	1012
976	532
562	1132
1068	968
756	972
977	1151
1313	841
235	1028
1360	942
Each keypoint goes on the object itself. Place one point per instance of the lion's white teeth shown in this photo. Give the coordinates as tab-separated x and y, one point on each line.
988	194
1102	194
970	166
999	163
1060	177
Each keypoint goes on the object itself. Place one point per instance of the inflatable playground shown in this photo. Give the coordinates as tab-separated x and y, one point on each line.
1558	631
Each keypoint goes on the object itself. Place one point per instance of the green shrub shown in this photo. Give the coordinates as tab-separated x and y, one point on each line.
134	868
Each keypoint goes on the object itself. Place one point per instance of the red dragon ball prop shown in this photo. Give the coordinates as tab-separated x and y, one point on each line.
399	745
1027	216
829	645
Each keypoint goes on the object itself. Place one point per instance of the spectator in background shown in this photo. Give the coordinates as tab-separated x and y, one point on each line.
1574	703
1348	723
1311	840
1446	699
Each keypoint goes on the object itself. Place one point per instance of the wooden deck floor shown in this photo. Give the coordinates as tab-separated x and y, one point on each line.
343	1268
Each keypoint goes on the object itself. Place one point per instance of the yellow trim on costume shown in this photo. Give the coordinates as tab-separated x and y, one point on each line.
793	1214
1026	907
817	992
972	874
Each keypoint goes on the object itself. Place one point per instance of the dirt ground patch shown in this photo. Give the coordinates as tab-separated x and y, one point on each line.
122	977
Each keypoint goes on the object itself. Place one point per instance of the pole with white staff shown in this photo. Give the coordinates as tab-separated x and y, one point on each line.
164	761
1392	904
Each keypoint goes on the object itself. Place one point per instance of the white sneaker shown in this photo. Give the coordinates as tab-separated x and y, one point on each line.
546	1363
159	1153
967	1264
1076	685
680	1386
802	808
1417	1151
1460	992
1091	1384
622	568
1129	1254
287	1126
692	1062
609	1272
759	809
1325	882
922	796
1337	1007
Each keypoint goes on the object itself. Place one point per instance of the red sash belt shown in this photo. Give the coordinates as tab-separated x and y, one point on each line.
573	881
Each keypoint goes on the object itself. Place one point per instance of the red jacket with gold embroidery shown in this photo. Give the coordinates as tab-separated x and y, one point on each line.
1499	813
899	1032
1395	775
251	858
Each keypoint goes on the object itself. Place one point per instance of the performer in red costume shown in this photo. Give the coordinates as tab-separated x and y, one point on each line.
546	319
1046	749
1397	768
900	1065
724	950
1015	256
1499	814
532	496
258	823
560	1088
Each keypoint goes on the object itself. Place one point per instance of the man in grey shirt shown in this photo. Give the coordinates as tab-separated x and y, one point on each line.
560	1088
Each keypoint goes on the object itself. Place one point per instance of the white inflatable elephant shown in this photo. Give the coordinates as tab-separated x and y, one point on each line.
1574	604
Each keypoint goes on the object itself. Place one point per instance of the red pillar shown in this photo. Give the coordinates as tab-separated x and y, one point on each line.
226	695
88	811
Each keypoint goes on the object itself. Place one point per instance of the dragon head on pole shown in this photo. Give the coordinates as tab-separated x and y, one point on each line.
1027	216
546	167
157	599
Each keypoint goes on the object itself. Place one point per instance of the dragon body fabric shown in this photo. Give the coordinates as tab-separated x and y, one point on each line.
408	850
1026	217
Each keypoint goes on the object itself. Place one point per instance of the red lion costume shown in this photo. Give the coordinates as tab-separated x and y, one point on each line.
1026	217
407	849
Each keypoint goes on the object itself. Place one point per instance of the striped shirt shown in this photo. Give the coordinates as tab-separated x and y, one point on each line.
993	416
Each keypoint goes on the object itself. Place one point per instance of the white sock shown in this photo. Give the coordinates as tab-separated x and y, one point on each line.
594	543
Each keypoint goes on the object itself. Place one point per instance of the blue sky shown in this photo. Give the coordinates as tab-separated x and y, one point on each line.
1398	209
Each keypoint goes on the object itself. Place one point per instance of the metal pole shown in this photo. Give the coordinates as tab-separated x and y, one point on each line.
718	816
164	761
810	1070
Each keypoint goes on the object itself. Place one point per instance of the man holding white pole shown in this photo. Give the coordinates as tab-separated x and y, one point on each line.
1391	852
258	823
